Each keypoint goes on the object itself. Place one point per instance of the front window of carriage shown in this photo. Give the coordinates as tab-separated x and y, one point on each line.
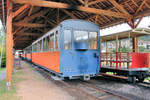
86	37
81	36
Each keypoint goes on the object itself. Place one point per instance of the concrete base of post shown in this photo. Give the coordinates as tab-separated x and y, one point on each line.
8	84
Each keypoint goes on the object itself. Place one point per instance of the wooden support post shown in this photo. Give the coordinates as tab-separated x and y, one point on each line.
106	47
117	43
129	41
135	44
9	44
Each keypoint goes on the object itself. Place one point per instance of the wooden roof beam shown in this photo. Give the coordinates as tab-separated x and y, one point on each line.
28	18
135	3
28	34
31	25
147	5
140	7
52	4
119	7
94	2
30	11
70	14
81	1
48	20
25	6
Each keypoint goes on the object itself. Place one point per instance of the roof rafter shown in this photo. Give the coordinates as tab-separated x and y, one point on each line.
67	6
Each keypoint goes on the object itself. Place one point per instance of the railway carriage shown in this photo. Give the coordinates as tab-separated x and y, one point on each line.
71	50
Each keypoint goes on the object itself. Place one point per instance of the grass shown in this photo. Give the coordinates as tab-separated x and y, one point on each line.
1	69
148	78
11	94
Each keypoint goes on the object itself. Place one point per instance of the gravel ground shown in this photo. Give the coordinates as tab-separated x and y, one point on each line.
132	91
117	86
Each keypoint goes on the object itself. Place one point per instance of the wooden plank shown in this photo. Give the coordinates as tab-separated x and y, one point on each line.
52	4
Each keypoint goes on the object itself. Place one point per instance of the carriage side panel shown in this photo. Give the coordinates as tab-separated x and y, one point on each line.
49	60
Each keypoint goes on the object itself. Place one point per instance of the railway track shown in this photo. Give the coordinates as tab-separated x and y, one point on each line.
82	89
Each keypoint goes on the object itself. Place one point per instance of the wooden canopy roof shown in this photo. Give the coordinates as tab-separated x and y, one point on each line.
33	18
126	34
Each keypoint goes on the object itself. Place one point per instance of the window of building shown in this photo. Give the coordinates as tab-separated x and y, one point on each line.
67	39
93	40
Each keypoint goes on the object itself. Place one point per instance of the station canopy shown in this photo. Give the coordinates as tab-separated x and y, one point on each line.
33	18
126	34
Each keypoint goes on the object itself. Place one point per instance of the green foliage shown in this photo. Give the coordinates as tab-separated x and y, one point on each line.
141	49
148	78
3	64
2	39
123	49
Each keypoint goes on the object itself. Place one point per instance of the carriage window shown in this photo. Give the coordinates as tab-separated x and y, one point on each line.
93	40
67	39
81	36
56	38
40	45
44	44
34	48
47	43
52	42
